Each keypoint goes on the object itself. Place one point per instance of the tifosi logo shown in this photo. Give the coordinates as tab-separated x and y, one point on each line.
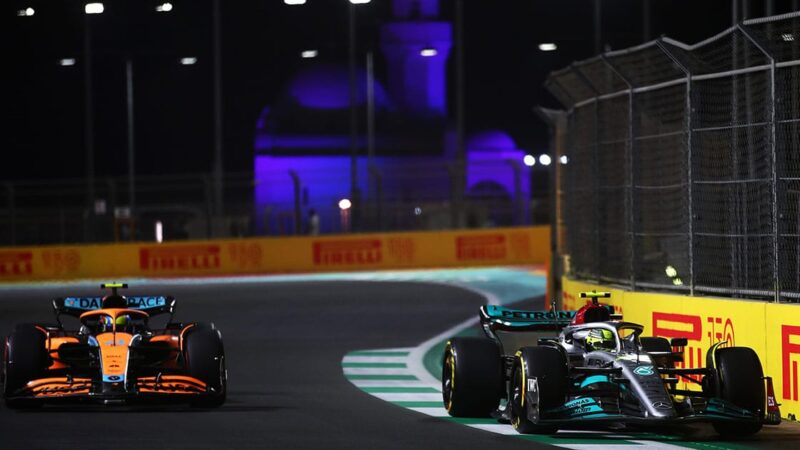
14	264
483	247
790	350
179	258
346	253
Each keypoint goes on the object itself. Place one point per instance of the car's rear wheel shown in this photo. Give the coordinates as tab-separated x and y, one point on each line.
740	381
25	359
548	367
204	357
472	377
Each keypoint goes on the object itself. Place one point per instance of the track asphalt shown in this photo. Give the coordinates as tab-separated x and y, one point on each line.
285	341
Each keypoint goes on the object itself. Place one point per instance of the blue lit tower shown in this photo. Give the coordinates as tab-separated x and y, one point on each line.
416	46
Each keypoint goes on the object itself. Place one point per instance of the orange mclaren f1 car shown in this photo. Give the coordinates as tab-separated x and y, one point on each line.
114	357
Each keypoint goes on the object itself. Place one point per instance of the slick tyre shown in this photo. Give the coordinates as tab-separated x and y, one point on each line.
472	377
740	382
25	359
204	358
549	367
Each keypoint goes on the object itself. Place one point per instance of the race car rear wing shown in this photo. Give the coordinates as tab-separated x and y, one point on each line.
500	318
152	305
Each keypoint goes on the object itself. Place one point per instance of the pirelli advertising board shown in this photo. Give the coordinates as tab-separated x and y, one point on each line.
504	246
772	330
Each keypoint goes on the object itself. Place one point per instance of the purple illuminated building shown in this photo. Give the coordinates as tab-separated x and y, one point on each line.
307	133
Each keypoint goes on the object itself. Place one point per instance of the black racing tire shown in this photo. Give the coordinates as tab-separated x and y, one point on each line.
24	359
655	344
549	366
204	359
472	377
740	381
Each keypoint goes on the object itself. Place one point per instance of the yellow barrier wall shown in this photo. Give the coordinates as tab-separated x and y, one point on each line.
502	246
772	330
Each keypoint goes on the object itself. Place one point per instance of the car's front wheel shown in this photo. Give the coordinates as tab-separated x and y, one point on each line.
204	357
25	359
740	381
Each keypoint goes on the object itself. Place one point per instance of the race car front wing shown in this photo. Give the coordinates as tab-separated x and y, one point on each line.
88	389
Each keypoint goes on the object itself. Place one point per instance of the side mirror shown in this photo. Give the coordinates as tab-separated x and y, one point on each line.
580	335
679	342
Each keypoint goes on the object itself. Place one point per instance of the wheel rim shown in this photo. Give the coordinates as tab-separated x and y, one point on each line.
448	379
516	398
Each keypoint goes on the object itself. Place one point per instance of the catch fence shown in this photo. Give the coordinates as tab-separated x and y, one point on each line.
684	163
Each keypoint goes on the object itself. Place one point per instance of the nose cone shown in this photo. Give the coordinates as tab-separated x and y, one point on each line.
651	391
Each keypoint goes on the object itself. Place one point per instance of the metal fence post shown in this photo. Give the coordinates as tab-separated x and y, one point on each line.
375	174
518	208
631	174
209	194
773	160
12	213
689	179
298	216
596	171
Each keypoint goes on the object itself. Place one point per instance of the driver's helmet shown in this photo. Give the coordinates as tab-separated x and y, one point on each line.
107	323
600	339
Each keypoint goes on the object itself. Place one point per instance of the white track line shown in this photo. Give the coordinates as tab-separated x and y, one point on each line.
433	412
374	359
389	384
376	371
408	397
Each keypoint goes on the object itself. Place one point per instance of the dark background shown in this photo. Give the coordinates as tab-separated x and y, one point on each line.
42	132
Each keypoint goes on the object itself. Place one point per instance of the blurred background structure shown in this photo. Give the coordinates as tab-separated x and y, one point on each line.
189	120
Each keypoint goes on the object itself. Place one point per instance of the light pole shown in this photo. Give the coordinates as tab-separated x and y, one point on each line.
131	141
461	160
89	10
217	175
353	110
355	195
598	27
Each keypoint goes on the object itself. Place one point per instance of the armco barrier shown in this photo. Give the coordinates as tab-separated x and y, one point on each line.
501	246
771	329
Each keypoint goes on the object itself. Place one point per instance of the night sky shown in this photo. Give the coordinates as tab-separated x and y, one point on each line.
42	133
